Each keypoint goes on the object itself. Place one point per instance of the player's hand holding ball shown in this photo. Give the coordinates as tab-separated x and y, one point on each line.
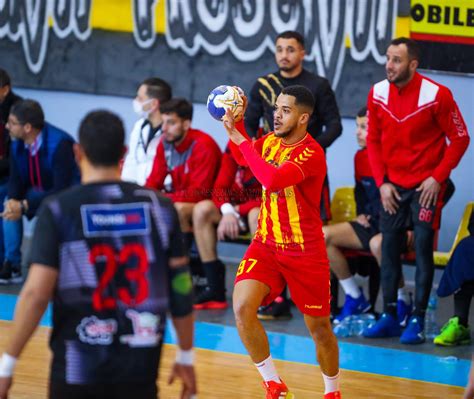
226	97
227	104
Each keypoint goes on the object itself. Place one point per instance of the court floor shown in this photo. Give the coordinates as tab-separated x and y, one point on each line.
224	371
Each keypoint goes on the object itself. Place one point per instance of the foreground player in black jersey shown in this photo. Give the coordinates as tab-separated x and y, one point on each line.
110	256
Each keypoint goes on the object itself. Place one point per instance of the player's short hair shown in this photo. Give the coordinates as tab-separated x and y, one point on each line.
158	89
102	137
179	106
4	78
412	47
291	34
28	111
302	95
362	112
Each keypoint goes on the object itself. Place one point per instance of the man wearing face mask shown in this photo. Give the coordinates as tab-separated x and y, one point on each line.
146	133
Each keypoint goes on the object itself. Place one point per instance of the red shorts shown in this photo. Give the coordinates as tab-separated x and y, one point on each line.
306	274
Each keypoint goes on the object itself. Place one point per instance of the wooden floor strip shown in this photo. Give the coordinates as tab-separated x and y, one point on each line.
223	375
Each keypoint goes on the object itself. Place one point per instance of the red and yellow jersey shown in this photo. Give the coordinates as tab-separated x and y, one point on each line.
292	177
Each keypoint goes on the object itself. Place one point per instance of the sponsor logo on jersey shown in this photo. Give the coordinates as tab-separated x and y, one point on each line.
94	331
145	329
115	219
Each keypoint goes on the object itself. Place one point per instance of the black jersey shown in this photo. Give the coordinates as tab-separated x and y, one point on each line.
110	243
325	123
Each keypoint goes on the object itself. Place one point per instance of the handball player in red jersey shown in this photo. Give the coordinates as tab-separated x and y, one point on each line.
288	247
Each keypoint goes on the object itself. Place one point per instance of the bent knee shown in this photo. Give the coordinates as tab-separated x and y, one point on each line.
320	329
375	245
244	310
203	210
327	234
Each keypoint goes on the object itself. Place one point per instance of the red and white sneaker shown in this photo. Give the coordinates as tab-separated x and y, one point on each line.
333	395
277	390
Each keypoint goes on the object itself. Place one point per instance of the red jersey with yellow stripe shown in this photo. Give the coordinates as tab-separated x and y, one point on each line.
292	177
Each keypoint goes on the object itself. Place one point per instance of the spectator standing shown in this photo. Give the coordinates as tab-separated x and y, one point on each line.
410	118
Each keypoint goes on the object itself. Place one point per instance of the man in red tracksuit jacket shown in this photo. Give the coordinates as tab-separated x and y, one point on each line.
186	162
410	118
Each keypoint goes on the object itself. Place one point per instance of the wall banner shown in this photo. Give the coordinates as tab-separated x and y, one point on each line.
109	47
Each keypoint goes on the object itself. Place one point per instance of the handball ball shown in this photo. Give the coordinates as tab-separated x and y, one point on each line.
224	97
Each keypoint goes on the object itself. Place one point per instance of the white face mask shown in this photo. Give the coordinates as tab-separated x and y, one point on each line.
138	107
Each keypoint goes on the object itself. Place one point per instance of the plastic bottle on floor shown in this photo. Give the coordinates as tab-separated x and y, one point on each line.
431	327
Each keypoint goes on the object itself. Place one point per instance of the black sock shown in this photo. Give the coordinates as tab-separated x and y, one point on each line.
391	309
215	273
188	239
462	302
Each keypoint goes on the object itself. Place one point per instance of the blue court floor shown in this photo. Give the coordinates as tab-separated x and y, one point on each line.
296	348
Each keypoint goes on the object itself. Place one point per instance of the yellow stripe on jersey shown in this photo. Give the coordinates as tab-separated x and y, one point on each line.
294	216
276	228
279	158
272	144
263	215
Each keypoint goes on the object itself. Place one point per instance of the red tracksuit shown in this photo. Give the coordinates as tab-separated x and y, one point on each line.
192	166
408	129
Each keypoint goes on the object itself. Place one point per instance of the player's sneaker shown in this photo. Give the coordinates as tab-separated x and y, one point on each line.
385	327
279	309
208	299
10	273
414	333
353	306
404	311
333	395
453	333
277	390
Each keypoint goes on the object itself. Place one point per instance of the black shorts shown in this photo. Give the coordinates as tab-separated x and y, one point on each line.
410	213
62	390
364	234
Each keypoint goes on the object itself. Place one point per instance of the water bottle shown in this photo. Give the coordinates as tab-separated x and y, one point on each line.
353	326
431	328
343	329
368	320
357	326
